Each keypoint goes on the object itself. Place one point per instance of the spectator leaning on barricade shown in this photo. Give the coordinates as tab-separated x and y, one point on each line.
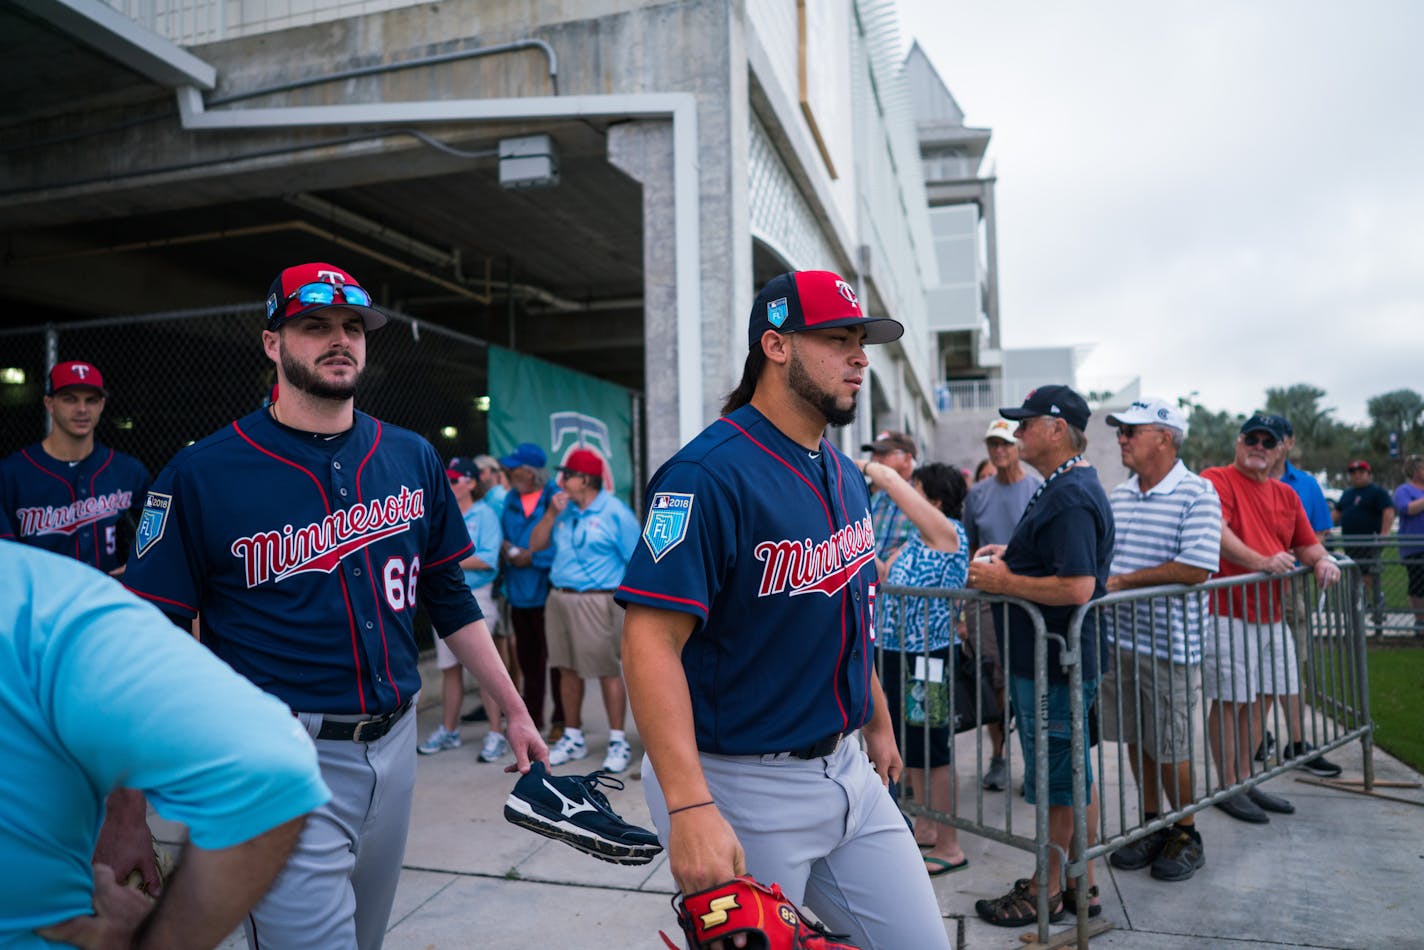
1058	559
1248	653
1409	504
991	511
593	534
1168	527
97	688
526	580
892	526
1366	511
919	634
1297	615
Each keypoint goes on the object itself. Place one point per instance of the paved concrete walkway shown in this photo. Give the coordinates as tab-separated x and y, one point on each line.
1344	871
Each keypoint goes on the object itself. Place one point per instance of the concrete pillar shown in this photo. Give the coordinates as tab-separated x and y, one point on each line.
642	150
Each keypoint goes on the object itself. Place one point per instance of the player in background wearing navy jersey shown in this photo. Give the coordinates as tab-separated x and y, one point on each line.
301	535
77	497
747	644
68	493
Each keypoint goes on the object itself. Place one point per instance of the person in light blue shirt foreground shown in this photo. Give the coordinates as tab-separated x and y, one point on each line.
917	636
98	689
593	534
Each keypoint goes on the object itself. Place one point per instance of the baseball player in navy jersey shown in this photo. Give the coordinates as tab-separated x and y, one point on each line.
748	647
68	493
77	497
302	535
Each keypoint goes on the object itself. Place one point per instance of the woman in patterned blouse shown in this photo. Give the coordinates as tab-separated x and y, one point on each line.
917	637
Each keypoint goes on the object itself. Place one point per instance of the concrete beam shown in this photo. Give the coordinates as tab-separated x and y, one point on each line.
124	40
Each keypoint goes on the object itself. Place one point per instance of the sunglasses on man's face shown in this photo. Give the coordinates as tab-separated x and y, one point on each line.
1264	441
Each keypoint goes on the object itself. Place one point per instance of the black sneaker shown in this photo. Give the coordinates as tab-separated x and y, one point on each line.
1242	808
1267	748
1269	802
1317	764
1140	853
571	809
477	714
1180	857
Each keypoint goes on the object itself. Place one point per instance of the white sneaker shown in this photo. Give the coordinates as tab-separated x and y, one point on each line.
494	748
439	741
617	758
567	750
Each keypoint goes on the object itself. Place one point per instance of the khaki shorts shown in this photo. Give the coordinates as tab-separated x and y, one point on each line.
1159	700
1250	659
585	632
484	596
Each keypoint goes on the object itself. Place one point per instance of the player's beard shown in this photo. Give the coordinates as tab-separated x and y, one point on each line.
300	377
823	402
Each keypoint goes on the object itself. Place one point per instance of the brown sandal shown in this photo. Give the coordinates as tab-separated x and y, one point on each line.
1019	908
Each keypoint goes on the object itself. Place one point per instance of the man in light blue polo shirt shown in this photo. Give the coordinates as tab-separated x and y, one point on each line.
1168	531
97	690
593	534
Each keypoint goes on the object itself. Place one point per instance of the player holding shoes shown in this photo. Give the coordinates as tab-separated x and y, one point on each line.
747	645
302	535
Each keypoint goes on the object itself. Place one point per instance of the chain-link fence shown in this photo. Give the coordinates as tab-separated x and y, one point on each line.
175	377
1391	611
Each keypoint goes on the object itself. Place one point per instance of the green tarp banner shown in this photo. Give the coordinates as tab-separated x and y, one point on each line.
560	410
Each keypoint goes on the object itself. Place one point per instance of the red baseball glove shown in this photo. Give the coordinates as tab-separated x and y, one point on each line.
744	905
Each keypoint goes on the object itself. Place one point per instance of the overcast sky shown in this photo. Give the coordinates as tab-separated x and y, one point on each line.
1218	196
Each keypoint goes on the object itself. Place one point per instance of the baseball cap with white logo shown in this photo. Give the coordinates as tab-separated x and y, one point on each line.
73	374
305	289
1150	411
814	300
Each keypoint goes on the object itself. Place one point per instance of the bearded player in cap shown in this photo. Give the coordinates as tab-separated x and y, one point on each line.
301	535
747	644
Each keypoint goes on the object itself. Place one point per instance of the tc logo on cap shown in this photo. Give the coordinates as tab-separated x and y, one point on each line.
845	291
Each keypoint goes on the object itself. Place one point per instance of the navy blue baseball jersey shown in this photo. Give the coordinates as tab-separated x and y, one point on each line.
303	555
84	510
771	548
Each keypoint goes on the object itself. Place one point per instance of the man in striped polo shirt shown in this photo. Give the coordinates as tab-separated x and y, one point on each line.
1168	532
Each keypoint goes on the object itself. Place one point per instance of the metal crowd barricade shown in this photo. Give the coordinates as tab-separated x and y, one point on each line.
1332	682
1385	565
976	627
1330	673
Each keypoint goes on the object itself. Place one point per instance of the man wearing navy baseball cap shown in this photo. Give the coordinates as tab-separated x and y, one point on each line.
1058	558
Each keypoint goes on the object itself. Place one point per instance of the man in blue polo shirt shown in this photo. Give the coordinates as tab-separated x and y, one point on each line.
92	683
1058	558
593	534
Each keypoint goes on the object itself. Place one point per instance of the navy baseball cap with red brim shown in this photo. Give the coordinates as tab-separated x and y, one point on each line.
814	300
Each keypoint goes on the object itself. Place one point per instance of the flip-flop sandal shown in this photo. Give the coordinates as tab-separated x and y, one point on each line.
943	866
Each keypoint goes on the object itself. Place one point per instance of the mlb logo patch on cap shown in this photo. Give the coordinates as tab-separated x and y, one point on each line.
776	312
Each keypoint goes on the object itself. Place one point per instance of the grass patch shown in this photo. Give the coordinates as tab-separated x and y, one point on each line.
1397	701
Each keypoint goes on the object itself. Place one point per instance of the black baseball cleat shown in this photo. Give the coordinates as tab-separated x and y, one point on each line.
571	809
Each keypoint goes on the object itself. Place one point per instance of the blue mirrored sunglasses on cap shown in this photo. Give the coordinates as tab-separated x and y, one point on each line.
321	293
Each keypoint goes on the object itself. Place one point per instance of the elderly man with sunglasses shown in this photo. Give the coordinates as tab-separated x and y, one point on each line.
1249	656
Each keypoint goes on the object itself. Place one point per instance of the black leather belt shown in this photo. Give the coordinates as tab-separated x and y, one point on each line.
363	730
820	747
570	590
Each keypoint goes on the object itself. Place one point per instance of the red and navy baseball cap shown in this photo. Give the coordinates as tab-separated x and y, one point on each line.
814	300
73	374
308	288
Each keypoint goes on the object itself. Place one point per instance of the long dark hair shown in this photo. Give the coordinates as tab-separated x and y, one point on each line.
751	372
944	484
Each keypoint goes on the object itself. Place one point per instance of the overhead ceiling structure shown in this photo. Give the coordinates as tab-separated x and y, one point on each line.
418	215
